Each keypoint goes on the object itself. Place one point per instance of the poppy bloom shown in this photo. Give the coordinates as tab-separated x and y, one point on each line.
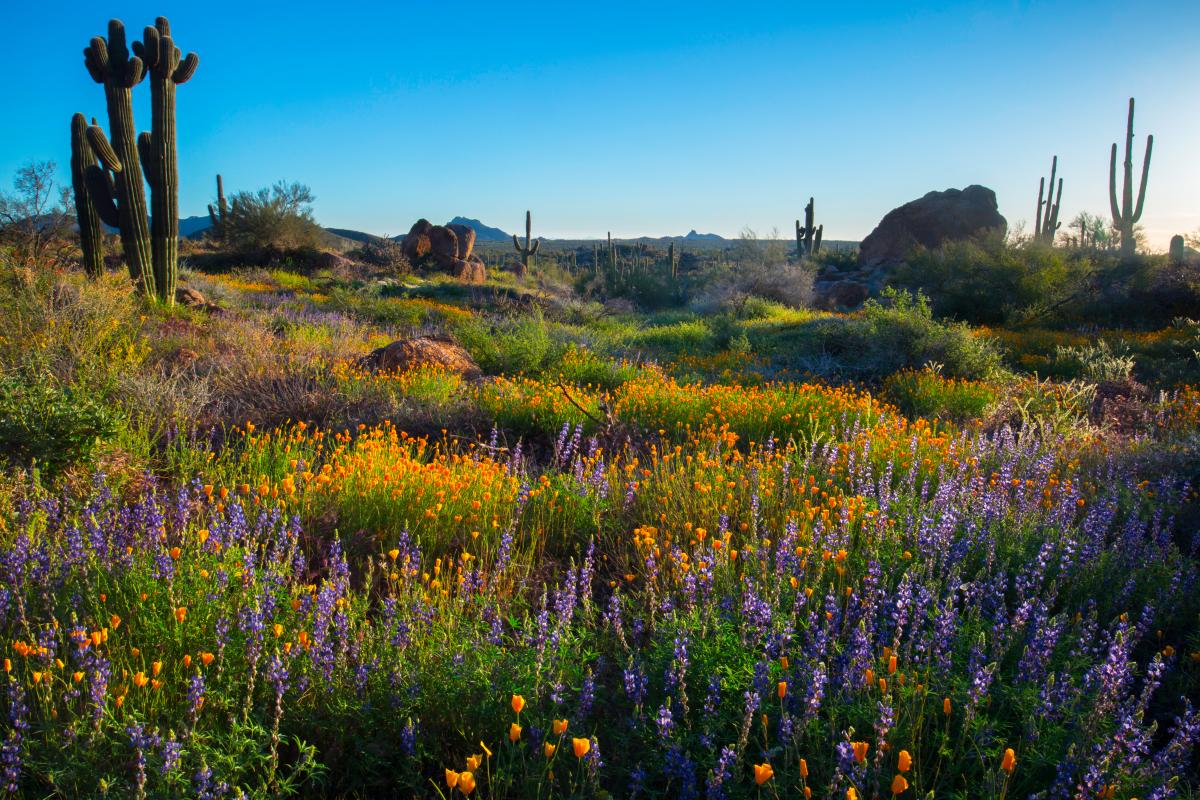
904	762
114	621
891	665
851	794
140	680
581	747
549	749
466	782
1009	762
206	658
77	677
899	784
860	751
514	732
946	706
180	614
559	727
473	762
763	773
484	747
803	768
781	689
156	668
451	778
518	703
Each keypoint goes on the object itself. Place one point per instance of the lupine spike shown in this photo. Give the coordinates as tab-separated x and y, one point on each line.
91	237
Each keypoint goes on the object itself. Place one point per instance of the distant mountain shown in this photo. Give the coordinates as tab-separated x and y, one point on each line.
710	237
354	236
483	233
194	227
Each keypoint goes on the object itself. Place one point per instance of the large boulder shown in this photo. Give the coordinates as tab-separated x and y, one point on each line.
423	351
448	246
936	218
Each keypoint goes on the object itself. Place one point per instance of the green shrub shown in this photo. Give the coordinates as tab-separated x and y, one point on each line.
925	393
896	332
509	345
44	424
1097	362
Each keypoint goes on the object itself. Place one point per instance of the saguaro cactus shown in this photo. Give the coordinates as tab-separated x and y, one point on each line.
1126	215
1175	252
217	214
531	245
157	149
91	237
109	63
806	244
1045	226
671	260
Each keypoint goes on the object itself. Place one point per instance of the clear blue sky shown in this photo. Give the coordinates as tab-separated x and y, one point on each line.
642	118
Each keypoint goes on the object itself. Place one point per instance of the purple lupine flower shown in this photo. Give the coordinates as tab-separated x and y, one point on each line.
10	752
664	721
720	773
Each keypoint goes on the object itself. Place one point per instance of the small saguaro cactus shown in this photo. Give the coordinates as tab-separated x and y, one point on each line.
612	254
531	245
1175	251
124	205
1046	225
671	260
217	214
167	68
91	236
1126	215
806	244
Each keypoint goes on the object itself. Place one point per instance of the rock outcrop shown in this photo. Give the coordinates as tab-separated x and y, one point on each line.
447	246
930	221
423	351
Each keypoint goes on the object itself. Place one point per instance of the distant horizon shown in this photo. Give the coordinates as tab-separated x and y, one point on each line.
688	117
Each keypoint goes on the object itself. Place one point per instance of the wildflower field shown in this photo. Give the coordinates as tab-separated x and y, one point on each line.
604	571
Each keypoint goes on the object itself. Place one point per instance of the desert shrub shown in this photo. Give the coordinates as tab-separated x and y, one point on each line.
48	425
384	253
895	332
988	281
35	226
583	367
784	283
1096	362
926	393
513	345
278	218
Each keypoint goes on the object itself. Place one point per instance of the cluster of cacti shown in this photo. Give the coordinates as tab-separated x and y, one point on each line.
91	236
530	248
217	214
115	186
808	237
1046	225
1126	214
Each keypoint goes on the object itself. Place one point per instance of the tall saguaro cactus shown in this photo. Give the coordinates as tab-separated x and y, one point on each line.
91	237
157	149
528	250
1126	215
806	244
109	63
217	215
1046	225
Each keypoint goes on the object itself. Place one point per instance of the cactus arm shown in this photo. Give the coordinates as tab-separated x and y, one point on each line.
91	238
100	190
817	241
1037	217
536	244
1137	213
1112	186
186	69
99	144
516	243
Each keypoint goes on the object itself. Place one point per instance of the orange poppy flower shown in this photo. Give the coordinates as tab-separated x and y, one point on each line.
1009	762
763	773
514	733
904	762
899	784
518	703
581	747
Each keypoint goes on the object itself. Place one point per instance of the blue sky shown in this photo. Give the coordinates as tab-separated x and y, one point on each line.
643	118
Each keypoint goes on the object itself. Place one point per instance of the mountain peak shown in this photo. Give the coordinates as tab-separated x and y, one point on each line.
483	233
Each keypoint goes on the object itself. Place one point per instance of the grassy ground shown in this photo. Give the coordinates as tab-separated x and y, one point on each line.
761	553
